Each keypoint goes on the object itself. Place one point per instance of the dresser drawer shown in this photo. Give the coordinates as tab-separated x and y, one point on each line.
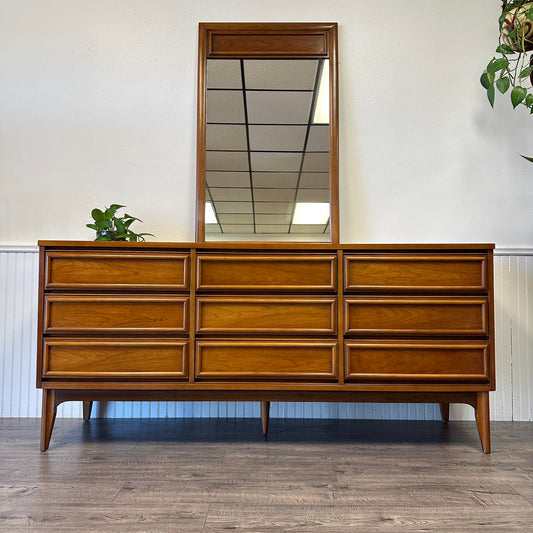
437	361
101	314
263	359
279	316
416	316
109	358
116	271
267	272
437	272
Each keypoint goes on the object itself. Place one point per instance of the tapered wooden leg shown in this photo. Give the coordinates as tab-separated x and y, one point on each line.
445	412
265	415
87	408
483	420
48	417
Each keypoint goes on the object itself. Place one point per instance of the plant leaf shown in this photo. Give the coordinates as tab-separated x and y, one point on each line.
92	226
497	64
97	214
504	49
112	209
517	95
503	84
491	93
119	225
132	217
526	72
529	100
104	223
530	159
484	80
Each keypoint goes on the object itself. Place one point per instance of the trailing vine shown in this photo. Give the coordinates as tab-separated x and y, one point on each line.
511	68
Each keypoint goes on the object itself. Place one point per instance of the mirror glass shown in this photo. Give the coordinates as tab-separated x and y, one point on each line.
267	165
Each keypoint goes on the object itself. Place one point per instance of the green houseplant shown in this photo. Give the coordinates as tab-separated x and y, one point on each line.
511	68
110	227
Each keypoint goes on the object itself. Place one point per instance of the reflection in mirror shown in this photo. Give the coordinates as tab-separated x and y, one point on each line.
267	149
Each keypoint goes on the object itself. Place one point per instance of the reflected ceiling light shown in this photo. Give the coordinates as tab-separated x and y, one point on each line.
311	213
321	114
210	217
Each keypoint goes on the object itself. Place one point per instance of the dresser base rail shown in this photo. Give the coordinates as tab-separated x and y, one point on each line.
54	397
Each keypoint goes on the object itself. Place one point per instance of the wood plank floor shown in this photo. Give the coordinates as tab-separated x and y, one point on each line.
165	475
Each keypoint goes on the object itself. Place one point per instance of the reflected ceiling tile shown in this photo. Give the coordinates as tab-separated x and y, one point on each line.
274	195
316	163
280	73
276	107
235	218
228	179
234	195
233	207
274	208
285	162
212	228
232	228
224	74
286	138
318	139
308	228
275	180
272	219
313	195
318	180
227	161
272	228
226	137
225	106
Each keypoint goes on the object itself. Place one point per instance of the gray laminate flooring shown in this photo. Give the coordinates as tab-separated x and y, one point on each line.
310	475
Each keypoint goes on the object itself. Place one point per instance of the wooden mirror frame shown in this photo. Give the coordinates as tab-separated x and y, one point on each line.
267	41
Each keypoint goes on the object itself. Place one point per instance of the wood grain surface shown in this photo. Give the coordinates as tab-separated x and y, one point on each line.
267	272
278	316
167	475
71	270
444	272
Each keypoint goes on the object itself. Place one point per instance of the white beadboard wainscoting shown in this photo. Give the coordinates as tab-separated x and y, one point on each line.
513	399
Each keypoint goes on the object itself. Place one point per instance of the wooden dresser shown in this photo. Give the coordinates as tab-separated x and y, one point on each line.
265	322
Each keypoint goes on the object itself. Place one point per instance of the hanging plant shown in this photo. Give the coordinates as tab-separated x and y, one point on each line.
511	68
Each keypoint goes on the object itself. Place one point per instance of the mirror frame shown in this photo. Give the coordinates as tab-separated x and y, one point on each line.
267	41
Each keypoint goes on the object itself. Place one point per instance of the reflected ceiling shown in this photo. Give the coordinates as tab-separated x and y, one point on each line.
267	145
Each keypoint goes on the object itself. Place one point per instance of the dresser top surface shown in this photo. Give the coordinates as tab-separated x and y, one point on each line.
272	246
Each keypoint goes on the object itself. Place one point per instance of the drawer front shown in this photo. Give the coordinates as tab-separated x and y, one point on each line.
108	358
279	316
260	359
448	361
416	316
267	272
415	273
116	271
115	314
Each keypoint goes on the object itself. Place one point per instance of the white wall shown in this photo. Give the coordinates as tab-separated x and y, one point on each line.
98	105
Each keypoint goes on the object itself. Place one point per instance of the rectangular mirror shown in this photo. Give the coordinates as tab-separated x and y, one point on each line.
267	132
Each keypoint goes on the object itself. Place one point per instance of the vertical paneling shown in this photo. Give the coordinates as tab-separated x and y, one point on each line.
18	333
521	289
513	399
